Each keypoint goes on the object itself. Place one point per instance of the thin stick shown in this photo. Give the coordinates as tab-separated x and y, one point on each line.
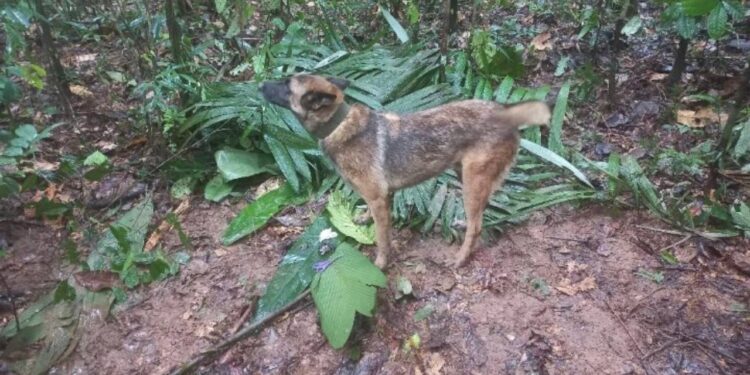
678	243
661	348
667	231
246	313
627	331
640	301
243	333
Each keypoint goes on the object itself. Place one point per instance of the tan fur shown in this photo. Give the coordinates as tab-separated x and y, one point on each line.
379	153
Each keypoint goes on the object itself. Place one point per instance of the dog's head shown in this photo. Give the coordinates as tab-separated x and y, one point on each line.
314	99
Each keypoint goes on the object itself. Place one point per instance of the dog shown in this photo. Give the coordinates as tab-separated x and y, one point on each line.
378	153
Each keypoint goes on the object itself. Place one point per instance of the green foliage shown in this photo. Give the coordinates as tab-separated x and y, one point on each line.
21	144
257	214
342	217
120	249
395	25
217	189
495	61
685	16
558	116
295	272
346	286
52	326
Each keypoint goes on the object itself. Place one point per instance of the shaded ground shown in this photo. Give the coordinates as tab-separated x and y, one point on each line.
559	295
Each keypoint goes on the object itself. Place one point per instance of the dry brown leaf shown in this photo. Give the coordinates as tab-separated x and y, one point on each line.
435	363
81	91
97	280
542	41
86	57
106	146
571	289
164	226
658	77
701	117
268	185
51	191
41	165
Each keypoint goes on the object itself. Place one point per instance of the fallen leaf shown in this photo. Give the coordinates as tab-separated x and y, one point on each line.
81	91
542	41
701	117
51	191
435	363
658	77
570	289
41	165
106	146
86	57
164	226
97	280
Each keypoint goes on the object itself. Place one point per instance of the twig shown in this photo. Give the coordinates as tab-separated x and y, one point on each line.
627	331
566	239
247	311
667	231
12	301
678	243
661	348
243	333
640	301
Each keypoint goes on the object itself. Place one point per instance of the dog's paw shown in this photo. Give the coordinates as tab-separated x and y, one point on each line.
460	260
381	262
364	218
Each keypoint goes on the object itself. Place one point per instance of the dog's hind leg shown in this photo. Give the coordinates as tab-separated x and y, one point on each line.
483	170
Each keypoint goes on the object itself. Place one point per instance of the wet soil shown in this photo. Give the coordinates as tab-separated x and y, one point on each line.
568	292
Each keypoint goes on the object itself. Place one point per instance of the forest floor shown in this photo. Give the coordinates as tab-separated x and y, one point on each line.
572	290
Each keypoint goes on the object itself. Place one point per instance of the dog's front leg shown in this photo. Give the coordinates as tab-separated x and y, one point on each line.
380	210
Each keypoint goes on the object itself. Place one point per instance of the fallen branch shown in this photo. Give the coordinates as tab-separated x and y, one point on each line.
240	335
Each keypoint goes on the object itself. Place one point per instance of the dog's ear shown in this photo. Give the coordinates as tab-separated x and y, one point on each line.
339	82
315	100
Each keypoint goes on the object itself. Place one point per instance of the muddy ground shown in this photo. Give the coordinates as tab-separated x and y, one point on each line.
561	294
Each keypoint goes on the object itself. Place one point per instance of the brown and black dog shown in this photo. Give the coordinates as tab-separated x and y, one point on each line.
380	152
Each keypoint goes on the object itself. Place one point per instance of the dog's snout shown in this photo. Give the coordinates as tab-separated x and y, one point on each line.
276	93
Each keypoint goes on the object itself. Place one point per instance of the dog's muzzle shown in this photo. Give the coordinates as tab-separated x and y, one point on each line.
276	92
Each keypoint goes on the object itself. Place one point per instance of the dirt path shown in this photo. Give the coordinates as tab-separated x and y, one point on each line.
557	295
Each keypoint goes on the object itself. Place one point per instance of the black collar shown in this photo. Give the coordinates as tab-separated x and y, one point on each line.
325	129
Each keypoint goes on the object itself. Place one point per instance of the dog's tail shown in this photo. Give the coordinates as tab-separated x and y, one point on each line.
527	114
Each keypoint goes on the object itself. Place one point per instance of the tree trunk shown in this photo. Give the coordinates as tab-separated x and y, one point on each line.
452	16
58	72
679	64
175	34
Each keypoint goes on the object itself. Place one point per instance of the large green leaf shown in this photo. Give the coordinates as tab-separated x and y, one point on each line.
717	22
402	35
217	189
344	288
554	158
295	271
686	26
257	213
134	225
558	116
283	161
743	142
699	7
341	216
234	164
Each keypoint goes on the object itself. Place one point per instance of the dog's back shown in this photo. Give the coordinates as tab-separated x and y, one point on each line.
421	145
